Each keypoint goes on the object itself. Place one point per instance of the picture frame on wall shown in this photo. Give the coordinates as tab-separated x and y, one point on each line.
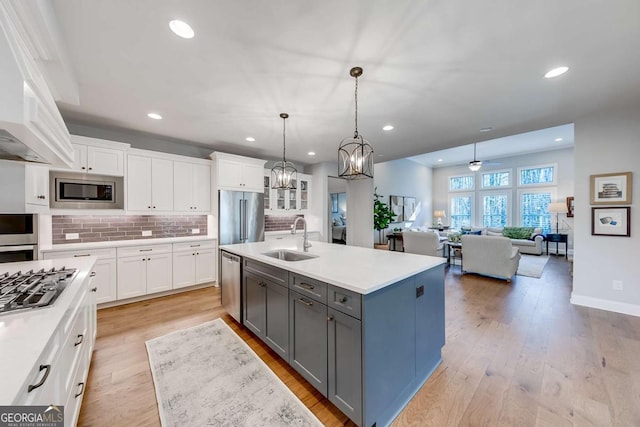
570	207
611	221
397	206
611	188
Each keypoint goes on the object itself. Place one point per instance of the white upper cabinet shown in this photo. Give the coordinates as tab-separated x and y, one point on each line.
24	187
149	184
191	187
297	200
238	173
98	156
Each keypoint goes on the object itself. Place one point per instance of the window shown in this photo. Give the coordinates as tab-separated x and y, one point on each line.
461	183
495	209
538	175
461	208
533	208
496	179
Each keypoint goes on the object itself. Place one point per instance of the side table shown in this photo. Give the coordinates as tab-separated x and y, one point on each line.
454	251
558	238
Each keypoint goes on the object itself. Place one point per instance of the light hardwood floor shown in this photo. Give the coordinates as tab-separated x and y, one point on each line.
516	355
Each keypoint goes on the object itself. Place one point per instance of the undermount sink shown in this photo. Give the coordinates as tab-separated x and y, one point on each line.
288	255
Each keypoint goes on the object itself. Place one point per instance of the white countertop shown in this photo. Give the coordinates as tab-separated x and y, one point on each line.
281	232
357	269
124	243
25	334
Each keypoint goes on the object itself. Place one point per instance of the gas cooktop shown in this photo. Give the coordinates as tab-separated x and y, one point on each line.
23	291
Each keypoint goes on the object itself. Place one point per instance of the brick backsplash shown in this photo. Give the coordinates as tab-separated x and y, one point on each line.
280	223
98	228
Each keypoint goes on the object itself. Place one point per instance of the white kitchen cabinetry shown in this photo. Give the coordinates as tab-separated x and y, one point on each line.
279	201
149	184
194	263
191	187
105	280
144	270
98	156
238	173
24	187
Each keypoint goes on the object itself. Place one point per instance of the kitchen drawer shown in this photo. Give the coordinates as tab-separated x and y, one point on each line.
144	250
204	244
346	301
276	274
99	253
47	392
309	287
73	349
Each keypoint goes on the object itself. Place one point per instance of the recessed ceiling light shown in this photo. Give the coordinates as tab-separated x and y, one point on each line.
387	127
440	160
558	139
154	116
250	139
487	129
182	29
311	153
556	72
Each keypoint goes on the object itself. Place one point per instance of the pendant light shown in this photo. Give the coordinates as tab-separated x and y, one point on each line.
475	165
355	155
284	174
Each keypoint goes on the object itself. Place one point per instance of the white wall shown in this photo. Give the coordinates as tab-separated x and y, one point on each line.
606	142
360	212
317	218
406	178
565	183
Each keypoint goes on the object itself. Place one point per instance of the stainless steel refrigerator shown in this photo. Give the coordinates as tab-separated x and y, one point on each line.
240	220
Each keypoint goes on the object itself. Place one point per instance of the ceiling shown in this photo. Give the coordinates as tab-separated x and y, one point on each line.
438	71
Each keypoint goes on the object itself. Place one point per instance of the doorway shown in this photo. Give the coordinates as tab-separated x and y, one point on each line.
337	220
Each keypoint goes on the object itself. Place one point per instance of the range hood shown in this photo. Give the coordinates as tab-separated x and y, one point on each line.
31	127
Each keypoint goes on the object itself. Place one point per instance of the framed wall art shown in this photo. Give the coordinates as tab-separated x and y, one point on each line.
611	221
397	205
570	207
611	189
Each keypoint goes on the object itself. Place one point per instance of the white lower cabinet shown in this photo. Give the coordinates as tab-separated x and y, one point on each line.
144	270
105	268
193	263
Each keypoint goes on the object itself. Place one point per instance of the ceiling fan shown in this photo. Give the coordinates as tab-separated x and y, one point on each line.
476	164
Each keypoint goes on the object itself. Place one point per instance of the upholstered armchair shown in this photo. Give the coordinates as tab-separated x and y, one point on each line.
490	256
422	242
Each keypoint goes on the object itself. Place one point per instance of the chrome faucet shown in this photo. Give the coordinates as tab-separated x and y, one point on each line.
305	244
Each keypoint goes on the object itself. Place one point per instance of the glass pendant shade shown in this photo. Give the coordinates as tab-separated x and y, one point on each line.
284	175
355	154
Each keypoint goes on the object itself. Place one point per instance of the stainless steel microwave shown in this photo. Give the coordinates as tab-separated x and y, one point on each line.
85	191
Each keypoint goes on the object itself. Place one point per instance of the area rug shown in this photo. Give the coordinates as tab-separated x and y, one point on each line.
532	265
208	376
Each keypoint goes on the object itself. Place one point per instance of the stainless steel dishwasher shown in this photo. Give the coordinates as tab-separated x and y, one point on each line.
230	285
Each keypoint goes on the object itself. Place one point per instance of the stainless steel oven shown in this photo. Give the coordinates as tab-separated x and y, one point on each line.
85	191
18	237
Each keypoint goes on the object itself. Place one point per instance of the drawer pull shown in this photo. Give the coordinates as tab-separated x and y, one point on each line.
307	286
194	246
305	302
81	385
80	339
262	284
94	289
44	378
342	299
145	250
93	274
78	256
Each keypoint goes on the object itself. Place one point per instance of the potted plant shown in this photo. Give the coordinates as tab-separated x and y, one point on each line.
382	217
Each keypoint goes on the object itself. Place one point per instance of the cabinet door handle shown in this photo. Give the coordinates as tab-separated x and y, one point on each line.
78	256
81	385
145	250
264	285
83	168
307	286
93	274
80	339
94	289
90	168
154	207
342	300
44	378
305	302
330	318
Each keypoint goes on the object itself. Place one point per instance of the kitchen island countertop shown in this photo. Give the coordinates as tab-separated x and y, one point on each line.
361	270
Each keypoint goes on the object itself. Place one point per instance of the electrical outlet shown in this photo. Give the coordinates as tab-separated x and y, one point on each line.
617	285
71	236
147	232
195	231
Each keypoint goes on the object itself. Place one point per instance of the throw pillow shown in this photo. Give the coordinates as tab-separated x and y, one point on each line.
517	232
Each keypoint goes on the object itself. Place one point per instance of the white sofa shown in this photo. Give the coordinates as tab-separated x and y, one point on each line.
422	242
526	246
490	256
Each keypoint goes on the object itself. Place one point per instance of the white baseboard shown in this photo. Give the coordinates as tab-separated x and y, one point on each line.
608	305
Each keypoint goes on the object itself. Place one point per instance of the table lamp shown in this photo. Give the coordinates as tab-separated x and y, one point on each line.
557	208
439	214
